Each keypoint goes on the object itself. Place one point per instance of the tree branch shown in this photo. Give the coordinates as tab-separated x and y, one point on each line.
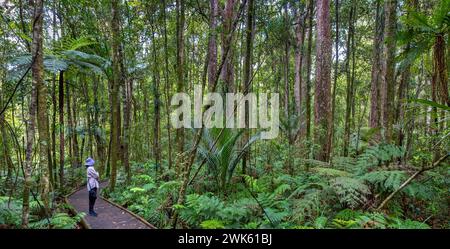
404	184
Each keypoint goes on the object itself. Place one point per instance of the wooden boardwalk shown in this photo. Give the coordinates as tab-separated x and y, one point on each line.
110	215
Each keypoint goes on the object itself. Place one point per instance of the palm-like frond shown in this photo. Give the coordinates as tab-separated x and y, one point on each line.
219	150
60	61
69	43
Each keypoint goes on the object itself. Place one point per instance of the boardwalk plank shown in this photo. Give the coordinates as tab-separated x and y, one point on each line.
109	216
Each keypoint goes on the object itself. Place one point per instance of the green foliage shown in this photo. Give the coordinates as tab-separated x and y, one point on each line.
10	211
330	172
351	192
377	155
385	180
212	224
219	148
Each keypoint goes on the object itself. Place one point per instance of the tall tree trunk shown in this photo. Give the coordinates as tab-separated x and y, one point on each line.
157	114
403	93
212	44
441	73
37	78
336	75
388	87
247	77
52	150
98	138
6	157
61	128
75	148
307	92
42	115
227	44
127	94
115	86
54	102
375	85
167	86
299	87
349	91
322	100
439	88
180	65
70	124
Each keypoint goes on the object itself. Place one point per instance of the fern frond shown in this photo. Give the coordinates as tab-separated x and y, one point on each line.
351	192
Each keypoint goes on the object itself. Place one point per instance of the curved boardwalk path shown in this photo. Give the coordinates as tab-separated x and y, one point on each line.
110	215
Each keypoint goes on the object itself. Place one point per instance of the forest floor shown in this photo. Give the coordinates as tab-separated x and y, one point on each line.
109	215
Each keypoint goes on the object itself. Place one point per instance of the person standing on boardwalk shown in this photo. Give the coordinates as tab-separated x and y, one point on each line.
92	184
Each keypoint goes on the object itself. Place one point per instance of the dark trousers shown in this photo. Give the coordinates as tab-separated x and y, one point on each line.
92	198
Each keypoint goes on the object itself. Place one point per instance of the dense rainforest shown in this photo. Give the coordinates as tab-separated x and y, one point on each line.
364	135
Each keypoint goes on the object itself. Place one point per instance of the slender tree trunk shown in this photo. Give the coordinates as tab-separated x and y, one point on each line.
299	86
212	45
54	102
6	157
52	150
167	86
61	128
375	85
322	115
388	87
157	114
37	78
336	75
75	148
70	124
308	70
98	137
247	77
349	91
180	65
227	44
286	68
127	94
42	115
403	88
115	104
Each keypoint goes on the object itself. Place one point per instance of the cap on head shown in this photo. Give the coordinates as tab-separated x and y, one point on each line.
89	162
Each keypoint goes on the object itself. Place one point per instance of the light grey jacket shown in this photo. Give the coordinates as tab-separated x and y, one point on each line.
92	178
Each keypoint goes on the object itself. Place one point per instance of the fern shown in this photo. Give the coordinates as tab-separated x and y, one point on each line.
64	221
69	43
330	172
407	224
200	207
351	192
377	155
10	213
309	206
348	214
385	180
275	215
372	220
